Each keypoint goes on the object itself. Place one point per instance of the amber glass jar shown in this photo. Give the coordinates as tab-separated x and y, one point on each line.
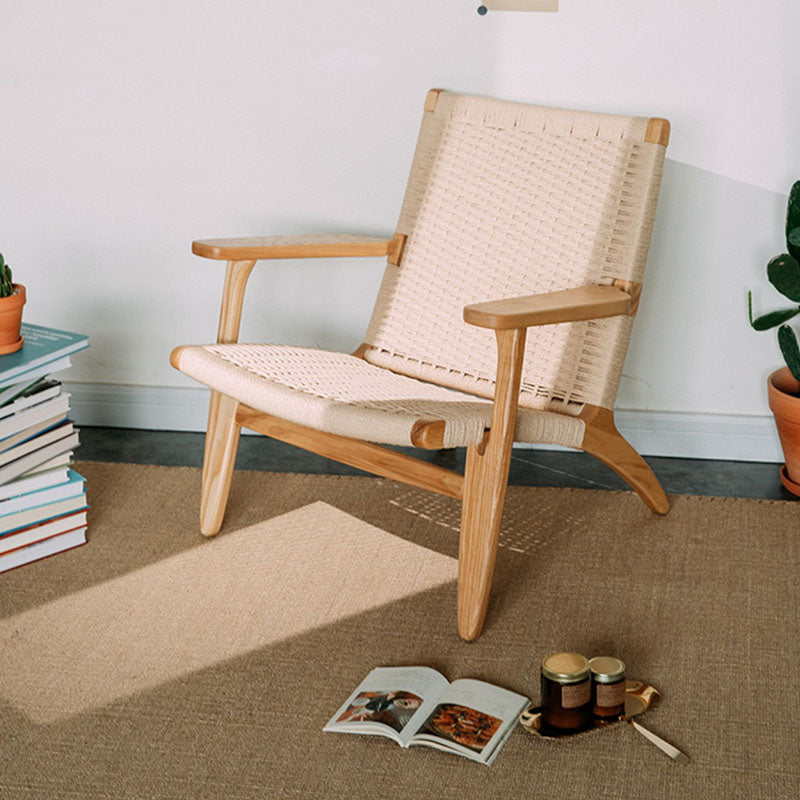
566	691
608	686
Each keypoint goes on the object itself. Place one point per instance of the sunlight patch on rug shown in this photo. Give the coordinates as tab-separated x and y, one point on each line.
228	596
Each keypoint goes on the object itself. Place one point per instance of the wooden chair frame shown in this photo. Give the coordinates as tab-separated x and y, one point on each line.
482	488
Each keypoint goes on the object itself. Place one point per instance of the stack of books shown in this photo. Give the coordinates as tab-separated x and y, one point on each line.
43	506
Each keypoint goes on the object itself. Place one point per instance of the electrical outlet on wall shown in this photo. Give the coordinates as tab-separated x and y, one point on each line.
518	5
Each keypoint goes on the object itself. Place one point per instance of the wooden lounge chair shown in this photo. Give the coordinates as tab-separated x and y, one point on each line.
504	316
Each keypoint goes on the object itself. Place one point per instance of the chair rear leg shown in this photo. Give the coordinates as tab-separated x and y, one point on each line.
606	443
485	483
222	442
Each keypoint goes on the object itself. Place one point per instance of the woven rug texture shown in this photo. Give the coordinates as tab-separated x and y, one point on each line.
153	663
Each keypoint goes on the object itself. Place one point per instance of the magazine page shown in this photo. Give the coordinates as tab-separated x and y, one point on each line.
473	719
390	701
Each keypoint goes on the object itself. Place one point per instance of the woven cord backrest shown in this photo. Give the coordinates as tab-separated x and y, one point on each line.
504	200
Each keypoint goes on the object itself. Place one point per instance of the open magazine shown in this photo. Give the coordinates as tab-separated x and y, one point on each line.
418	705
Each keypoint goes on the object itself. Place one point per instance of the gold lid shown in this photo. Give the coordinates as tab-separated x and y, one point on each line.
606	669
565	667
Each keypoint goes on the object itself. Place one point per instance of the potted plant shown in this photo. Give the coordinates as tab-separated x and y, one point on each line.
12	298
783	385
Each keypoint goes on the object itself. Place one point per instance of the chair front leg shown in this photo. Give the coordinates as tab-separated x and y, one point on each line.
222	442
222	432
485	483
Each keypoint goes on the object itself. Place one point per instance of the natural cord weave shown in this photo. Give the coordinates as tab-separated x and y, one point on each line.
503	200
343	394
506	200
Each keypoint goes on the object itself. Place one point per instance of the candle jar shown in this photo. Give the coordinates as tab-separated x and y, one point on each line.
608	687
566	691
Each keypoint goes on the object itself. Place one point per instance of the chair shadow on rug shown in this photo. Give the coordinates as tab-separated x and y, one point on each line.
504	316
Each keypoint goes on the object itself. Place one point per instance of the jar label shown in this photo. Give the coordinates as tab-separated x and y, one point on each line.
610	694
576	694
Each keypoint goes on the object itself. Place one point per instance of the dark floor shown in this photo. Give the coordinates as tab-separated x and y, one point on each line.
528	467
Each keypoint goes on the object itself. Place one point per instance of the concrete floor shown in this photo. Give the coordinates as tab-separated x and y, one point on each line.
528	467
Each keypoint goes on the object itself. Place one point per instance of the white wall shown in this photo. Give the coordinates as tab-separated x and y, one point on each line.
726	77
128	129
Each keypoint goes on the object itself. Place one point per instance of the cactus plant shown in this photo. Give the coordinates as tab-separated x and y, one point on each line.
6	283
783	273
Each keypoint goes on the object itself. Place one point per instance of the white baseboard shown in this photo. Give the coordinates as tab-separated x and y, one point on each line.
655	433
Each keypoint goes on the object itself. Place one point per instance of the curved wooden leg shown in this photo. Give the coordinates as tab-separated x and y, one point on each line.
222	442
222	433
606	443
485	483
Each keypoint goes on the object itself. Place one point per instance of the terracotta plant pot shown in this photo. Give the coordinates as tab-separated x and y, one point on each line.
784	400
11	319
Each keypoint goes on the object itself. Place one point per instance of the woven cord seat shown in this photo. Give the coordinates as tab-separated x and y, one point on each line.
504	314
347	396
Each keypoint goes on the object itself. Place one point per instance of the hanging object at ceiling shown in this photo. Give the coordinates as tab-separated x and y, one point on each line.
518	5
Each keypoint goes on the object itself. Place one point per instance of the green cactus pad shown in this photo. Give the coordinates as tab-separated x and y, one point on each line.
793	221
774	318
6	280
793	242
791	352
783	272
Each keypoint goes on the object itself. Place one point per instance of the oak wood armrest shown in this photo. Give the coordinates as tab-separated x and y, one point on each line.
569	305
313	245
242	255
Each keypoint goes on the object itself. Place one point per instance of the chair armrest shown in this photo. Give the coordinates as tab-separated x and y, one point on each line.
569	305
314	245
242	255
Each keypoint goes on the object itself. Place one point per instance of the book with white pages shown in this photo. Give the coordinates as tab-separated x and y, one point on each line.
25	463
73	487
419	706
19	382
40	391
41	347
36	480
54	434
16	390
54	406
11	523
43	530
61	460
43	548
29	433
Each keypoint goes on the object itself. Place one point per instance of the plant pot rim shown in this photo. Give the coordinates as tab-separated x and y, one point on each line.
17	297
782	380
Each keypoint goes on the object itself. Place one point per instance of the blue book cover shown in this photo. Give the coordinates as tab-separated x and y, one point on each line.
41	346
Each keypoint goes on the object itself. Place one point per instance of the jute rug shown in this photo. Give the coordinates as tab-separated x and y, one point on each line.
152	663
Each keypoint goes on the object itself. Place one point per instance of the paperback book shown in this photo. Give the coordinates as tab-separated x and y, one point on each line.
43	530
10	523
41	347
16	385
40	390
61	460
26	455
43	549
419	706
34	414
40	492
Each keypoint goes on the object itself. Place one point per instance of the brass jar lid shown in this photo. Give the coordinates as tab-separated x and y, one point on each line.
565	667
606	669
